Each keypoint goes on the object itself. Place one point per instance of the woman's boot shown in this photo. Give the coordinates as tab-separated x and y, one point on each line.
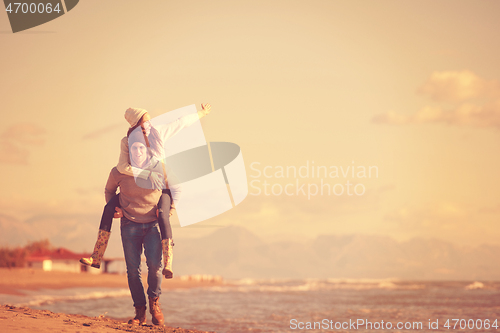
99	249
166	245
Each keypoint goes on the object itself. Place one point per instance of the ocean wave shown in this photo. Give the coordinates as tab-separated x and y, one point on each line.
202	278
475	285
40	300
290	285
251	281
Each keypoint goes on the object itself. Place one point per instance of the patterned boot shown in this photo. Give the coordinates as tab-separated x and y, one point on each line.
166	246
99	249
154	309
140	316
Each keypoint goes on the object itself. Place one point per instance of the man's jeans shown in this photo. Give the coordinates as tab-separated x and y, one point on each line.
134	237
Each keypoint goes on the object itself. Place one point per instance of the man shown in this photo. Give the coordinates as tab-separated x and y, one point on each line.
139	228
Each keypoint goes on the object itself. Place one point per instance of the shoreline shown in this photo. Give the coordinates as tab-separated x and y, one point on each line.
13	281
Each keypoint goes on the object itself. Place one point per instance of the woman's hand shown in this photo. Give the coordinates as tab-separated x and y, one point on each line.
118	213
171	211
205	109
157	180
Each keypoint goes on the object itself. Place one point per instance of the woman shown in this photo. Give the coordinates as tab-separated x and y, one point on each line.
155	138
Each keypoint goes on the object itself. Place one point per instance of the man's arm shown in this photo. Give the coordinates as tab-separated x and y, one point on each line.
110	192
176	191
111	187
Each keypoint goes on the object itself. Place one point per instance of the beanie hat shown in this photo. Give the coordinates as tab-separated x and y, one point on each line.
133	115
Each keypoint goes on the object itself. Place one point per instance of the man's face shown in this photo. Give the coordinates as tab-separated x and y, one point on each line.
139	153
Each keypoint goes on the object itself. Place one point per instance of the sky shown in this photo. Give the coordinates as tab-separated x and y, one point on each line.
411	89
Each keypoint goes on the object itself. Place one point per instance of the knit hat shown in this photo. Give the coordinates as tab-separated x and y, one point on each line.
133	115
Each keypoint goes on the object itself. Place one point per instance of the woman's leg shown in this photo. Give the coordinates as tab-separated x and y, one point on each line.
109	212
166	233
104	233
163	215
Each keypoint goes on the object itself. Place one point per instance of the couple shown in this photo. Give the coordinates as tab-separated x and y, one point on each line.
145	202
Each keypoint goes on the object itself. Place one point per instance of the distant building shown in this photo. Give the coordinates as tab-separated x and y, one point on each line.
61	260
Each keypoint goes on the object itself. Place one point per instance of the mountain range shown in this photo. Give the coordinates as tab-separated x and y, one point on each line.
235	252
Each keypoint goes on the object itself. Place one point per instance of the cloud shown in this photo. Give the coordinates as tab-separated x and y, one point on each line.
444	215
103	131
452	221
459	86
16	141
25	207
471	101
268	215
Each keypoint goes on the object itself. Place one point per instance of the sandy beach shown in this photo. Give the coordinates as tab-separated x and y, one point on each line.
14	319
23	319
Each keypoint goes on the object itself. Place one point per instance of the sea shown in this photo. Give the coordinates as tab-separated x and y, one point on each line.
305	305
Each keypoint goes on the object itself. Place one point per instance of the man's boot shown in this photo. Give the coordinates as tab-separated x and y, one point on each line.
140	316
166	245
99	249
154	309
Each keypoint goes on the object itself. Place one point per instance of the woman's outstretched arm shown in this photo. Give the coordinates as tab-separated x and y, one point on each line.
169	130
